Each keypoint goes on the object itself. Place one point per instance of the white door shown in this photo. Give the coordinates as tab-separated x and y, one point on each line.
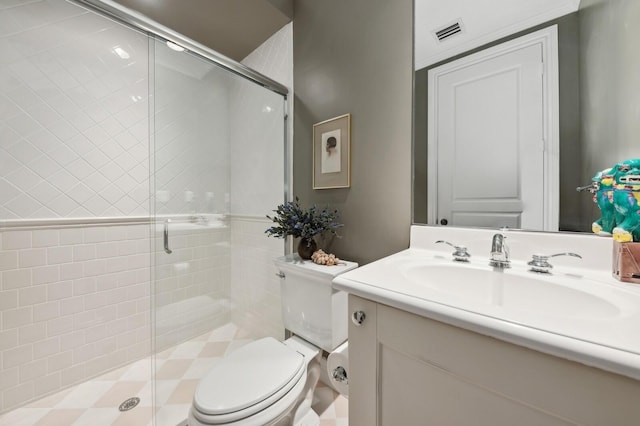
489	135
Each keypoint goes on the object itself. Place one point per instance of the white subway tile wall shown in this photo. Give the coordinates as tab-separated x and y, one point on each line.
70	310
191	285
94	315
255	288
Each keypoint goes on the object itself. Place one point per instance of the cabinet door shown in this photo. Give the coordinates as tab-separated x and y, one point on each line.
431	373
415	392
420	382
363	360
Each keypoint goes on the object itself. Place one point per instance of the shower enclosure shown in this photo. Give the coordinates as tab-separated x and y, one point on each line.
136	170
218	170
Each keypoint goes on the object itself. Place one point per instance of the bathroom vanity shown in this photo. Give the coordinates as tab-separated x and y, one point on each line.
441	342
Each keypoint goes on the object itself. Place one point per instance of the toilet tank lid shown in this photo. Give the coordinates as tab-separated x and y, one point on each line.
293	261
248	376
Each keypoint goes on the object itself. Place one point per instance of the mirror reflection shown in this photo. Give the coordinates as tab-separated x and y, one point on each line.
479	150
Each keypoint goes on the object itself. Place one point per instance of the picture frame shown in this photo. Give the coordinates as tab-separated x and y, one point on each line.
332	153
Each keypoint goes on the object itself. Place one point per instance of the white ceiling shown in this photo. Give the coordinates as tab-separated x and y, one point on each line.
483	21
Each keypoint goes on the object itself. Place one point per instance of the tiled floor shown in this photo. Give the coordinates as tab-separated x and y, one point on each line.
95	403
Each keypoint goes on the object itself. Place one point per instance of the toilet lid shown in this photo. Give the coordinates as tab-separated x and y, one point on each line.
249	379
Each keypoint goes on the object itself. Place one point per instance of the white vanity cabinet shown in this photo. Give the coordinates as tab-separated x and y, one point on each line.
407	369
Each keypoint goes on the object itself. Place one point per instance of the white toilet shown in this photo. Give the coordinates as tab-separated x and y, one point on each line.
268	382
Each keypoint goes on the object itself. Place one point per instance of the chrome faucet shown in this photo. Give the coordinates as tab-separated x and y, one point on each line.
499	257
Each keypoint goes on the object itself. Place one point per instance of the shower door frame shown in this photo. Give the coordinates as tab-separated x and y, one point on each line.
140	22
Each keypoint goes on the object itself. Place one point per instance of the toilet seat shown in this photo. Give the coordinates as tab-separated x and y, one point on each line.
249	380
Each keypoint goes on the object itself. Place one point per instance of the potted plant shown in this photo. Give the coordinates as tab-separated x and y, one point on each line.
292	219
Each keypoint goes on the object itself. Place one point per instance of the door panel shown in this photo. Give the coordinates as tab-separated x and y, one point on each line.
489	123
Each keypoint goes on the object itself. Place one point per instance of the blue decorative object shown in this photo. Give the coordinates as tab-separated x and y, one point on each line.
626	199
616	191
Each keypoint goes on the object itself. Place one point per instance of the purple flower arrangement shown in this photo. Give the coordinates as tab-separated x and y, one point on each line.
292	219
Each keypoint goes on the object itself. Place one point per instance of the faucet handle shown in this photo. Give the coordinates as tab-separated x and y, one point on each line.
540	262
460	254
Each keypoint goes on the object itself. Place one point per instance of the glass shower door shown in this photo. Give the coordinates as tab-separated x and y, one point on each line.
192	253
218	169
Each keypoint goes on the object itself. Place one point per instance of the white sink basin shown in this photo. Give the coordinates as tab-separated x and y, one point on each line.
542	294
564	303
579	312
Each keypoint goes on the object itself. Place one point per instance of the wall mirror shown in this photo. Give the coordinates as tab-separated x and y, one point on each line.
598	100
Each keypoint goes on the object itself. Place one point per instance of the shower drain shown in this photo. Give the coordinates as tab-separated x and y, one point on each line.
129	404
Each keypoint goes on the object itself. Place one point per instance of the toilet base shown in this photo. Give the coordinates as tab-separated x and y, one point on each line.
302	414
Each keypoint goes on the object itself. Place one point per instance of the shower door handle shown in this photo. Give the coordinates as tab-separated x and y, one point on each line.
166	236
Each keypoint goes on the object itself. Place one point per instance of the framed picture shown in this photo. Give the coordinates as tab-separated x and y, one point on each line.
332	153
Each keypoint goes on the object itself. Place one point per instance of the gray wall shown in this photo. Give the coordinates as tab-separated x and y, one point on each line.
610	84
356	57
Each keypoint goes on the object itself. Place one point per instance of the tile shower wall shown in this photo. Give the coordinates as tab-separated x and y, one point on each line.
274	58
192	284
75	303
191	122
75	300
191	157
73	113
74	144
255	288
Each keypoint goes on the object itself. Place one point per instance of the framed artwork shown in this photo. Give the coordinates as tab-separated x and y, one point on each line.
332	153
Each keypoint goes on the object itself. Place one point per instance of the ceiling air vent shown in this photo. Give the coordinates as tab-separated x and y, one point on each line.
449	31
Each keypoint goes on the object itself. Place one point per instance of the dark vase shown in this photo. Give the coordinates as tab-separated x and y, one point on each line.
306	247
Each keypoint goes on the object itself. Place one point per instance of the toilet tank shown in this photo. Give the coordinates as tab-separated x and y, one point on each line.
311	308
